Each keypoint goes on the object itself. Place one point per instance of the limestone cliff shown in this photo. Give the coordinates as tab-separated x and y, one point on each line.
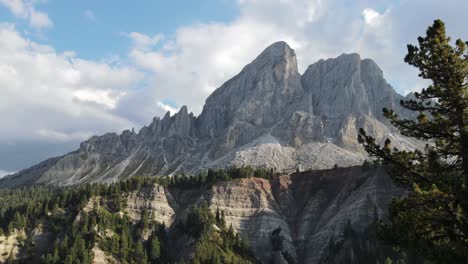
312	208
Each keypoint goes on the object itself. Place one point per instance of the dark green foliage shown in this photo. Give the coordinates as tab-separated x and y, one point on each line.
214	175
154	248
433	218
199	220
77	231
216	243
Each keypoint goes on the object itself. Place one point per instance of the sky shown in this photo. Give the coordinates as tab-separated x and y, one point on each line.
73	69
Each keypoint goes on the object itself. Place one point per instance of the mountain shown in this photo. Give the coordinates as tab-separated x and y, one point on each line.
268	115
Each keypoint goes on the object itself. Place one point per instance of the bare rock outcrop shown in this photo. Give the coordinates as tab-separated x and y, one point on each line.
157	201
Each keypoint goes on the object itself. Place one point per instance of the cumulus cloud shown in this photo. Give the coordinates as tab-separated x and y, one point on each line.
47	95
25	9
142	41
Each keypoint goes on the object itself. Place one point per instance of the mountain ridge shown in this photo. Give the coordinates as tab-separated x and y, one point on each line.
268	115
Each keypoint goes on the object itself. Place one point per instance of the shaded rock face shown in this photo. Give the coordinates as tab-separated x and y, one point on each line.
268	115
317	208
312	208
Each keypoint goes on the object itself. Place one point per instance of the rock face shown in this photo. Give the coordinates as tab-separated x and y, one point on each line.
10	245
268	115
312	208
158	201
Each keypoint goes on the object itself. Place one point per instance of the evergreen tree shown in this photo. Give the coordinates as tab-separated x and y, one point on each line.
124	243
55	256
154	250
223	218
140	255
432	220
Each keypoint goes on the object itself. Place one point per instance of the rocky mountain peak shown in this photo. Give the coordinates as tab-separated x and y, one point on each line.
276	52
279	48
268	115
278	56
183	110
348	85
256	96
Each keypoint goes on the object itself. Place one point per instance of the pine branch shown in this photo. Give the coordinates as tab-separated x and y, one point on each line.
385	155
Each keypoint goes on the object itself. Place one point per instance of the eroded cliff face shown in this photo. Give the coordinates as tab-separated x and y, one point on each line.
268	115
312	208
10	245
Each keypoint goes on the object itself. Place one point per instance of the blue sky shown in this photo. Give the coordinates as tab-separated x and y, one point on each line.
73	69
93	29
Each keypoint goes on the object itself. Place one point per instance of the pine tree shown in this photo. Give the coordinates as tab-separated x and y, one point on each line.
144	222
55	256
432	219
10	228
124	243
223	218
154	248
140	255
46	259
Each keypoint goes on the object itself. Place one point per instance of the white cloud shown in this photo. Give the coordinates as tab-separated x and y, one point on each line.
25	9
287	13
89	15
142	41
50	96
370	16
4	173
107	98
167	107
59	136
